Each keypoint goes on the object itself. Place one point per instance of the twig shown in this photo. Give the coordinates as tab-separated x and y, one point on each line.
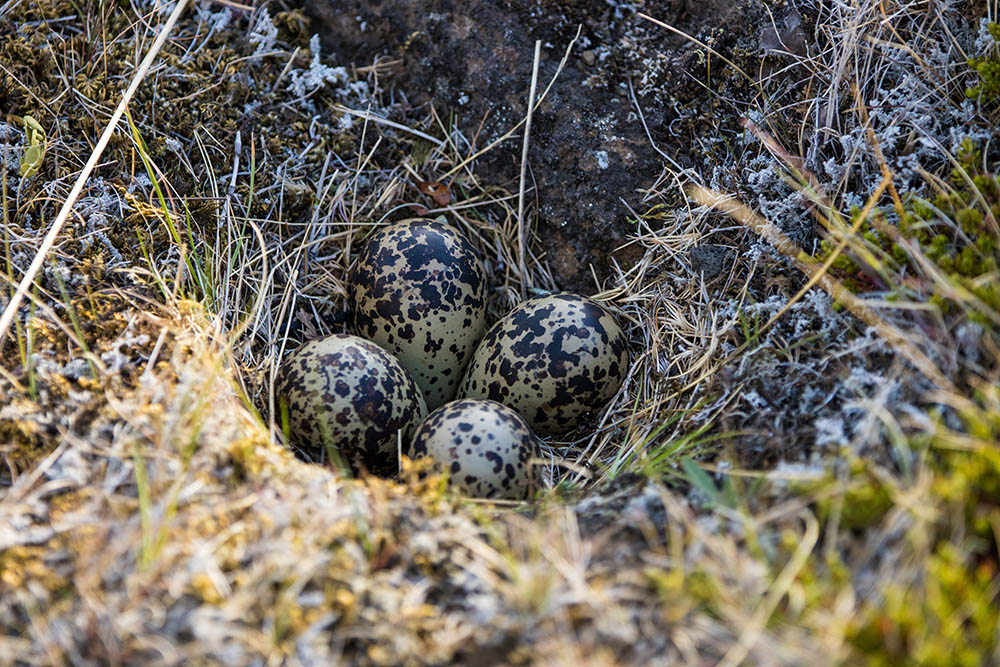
36	264
524	167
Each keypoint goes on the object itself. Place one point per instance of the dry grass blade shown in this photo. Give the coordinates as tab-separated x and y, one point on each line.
738	653
521	227
701	44
819	273
510	133
879	157
368	116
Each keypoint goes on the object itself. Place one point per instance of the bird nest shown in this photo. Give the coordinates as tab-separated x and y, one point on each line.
799	468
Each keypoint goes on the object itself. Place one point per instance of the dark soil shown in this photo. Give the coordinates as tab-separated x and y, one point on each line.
589	150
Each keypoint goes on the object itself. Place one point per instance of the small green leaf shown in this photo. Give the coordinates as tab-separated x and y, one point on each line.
31	161
34	131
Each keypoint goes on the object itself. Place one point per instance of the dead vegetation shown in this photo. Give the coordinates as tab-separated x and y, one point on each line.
802	467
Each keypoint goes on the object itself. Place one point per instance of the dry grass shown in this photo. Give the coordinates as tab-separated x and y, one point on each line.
151	515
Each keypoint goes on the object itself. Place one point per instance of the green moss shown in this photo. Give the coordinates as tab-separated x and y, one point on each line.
936	601
863	502
956	230
949	614
950	618
703	588
987	68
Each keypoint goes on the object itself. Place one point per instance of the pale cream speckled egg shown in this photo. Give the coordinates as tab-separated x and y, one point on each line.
349	395
419	291
553	359
486	448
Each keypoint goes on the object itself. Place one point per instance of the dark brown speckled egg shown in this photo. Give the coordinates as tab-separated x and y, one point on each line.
419	291
486	448
553	359
348	395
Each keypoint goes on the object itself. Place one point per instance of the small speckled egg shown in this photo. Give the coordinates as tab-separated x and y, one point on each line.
419	291
485	446
351	394
552	359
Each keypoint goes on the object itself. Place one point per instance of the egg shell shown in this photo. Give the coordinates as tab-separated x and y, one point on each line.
419	291
349	393
486	448
553	359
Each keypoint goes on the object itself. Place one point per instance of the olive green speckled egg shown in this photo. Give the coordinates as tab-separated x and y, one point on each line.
486	448
419	291
553	359
349	394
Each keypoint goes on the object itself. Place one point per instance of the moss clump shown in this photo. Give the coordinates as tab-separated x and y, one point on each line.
988	69
947	613
950	619
21	564
863	502
955	231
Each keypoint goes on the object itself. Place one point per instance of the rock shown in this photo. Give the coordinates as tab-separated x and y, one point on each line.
710	260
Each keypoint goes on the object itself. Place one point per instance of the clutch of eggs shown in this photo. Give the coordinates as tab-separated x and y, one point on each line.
419	290
418	304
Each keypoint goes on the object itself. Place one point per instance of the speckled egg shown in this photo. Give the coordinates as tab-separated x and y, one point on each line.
352	395
552	359
485	446
419	291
